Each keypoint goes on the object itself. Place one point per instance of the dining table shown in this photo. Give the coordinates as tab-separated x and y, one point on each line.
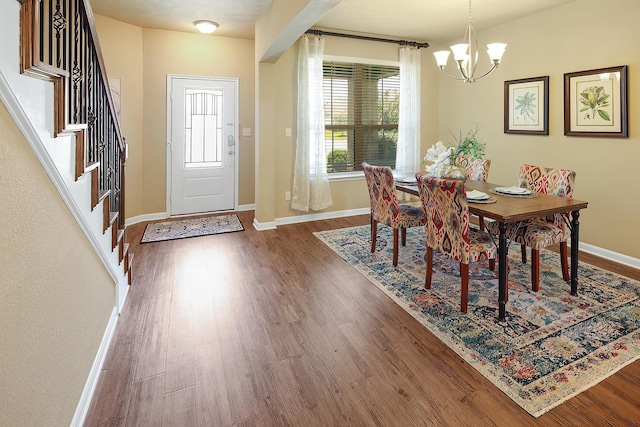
509	209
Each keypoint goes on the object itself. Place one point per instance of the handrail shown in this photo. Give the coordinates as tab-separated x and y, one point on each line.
59	44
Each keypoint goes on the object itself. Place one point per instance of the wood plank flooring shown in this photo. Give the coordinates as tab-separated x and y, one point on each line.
272	328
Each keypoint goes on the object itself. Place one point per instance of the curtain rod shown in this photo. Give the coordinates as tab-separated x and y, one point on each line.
369	38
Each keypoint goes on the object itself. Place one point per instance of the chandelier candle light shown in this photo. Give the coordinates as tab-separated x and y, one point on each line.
466	55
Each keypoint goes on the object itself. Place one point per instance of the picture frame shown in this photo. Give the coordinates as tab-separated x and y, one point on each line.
526	106
596	104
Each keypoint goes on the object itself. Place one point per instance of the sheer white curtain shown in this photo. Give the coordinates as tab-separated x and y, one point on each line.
408	150
310	179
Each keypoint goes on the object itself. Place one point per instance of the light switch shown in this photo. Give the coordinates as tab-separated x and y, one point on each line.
246	131
287	132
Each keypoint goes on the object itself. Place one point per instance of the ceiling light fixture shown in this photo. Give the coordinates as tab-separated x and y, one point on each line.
466	55
206	27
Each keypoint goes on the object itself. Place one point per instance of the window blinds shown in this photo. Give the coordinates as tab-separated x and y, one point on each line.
361	114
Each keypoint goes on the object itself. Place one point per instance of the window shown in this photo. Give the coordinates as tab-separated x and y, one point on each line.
361	115
203	128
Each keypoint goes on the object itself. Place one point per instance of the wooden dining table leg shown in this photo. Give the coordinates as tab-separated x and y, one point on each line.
575	224
502	272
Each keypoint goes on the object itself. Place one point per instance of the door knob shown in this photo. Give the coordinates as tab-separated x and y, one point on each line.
230	151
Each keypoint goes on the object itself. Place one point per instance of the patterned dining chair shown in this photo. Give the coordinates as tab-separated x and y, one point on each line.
446	211
385	208
478	170
541	232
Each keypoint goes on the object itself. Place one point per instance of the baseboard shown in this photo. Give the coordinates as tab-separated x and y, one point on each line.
263	226
94	374
321	216
146	217
122	298
296	219
610	255
163	215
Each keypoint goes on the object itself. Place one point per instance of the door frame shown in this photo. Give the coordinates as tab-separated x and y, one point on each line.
236	81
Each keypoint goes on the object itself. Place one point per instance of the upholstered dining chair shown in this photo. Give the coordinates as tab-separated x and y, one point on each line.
446	211
541	232
478	170
385	208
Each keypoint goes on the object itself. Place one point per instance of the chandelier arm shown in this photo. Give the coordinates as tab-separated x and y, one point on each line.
491	70
462	71
449	75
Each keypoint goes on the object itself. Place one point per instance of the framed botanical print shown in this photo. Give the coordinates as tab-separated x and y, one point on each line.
526	106
595	103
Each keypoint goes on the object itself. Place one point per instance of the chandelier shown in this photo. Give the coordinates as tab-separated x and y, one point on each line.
466	55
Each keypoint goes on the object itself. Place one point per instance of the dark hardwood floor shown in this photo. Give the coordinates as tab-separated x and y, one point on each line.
272	328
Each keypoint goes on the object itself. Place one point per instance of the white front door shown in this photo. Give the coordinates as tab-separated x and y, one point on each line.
202	144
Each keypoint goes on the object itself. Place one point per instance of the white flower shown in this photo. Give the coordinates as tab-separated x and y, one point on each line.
439	155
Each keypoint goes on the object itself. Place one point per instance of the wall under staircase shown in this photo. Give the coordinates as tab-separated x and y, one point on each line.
56	90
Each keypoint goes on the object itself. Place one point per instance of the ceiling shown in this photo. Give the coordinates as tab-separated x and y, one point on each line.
418	20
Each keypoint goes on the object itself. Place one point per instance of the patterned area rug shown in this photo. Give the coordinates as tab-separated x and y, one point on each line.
170	230
553	345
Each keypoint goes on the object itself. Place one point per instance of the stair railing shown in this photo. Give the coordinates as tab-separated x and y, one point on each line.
58	43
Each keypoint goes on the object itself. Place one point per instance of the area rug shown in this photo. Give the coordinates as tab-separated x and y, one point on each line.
552	346
170	230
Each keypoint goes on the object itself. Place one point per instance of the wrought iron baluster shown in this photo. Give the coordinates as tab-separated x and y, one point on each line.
66	12
42	31
59	22
48	31
76	72
104	141
91	116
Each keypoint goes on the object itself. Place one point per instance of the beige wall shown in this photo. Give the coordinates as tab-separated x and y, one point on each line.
142	58
582	35
170	52
53	309
276	30
121	46
267	110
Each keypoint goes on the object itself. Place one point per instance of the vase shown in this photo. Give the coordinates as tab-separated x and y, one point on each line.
454	172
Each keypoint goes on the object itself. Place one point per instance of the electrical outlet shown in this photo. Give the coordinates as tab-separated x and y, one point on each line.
287	195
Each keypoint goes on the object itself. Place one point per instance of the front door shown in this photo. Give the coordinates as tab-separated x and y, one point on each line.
202	144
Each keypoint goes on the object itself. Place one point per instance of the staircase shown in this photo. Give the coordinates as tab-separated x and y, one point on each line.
58	44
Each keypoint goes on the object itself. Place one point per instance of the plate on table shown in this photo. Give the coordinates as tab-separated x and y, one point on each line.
405	178
476	195
513	190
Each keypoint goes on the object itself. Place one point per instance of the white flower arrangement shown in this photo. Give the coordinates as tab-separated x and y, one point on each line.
440	156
